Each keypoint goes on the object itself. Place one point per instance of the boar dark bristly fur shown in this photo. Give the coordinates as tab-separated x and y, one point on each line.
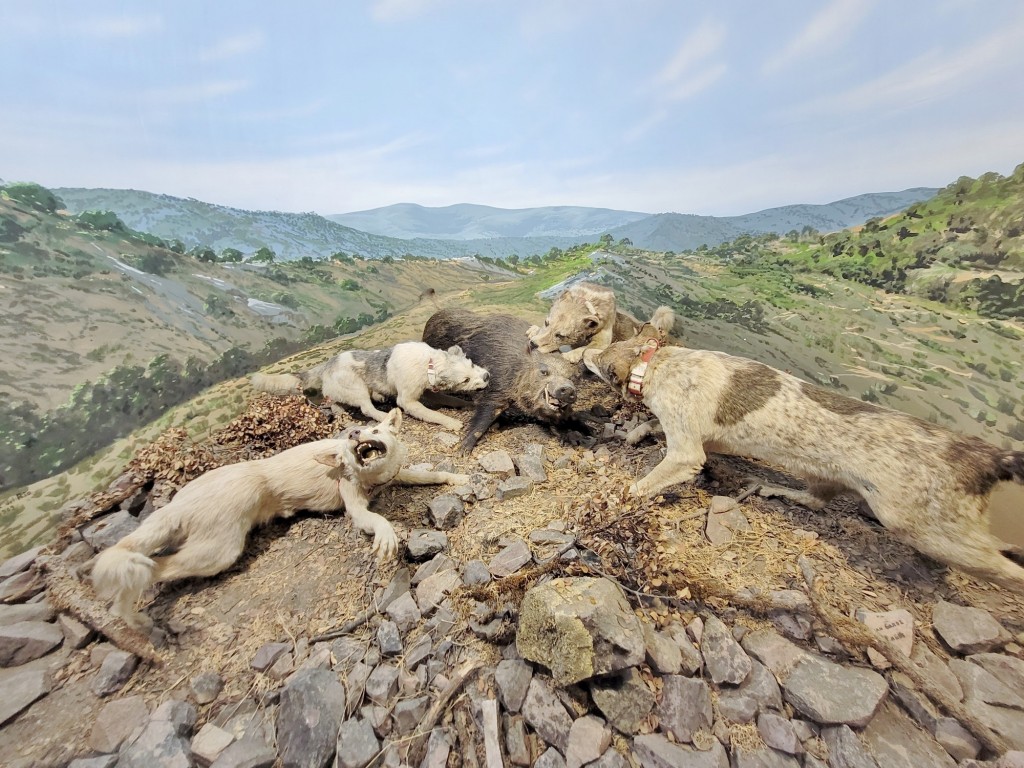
523	385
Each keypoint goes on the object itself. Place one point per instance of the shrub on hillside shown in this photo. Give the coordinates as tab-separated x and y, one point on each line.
33	195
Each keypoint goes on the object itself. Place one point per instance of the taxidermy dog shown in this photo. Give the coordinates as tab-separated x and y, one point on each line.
928	486
405	371
203	529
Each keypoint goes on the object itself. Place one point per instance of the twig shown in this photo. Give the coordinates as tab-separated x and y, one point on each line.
748	493
360	618
440	706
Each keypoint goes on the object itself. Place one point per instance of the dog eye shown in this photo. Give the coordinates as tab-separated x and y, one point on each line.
543	370
466	380
560	336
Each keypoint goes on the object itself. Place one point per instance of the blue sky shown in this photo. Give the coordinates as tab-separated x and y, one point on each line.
647	105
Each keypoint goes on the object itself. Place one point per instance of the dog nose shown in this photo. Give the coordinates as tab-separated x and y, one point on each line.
532	344
353	433
566	393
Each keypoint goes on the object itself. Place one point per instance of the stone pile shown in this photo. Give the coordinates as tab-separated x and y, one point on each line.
449	669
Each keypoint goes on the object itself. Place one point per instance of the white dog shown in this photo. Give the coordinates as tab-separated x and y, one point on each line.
205	526
930	487
405	371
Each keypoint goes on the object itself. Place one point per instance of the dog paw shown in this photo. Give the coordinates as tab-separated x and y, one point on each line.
634	490
385	540
454	479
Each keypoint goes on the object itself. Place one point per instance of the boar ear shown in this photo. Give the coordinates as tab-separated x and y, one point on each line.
394	420
590	360
456	351
330	458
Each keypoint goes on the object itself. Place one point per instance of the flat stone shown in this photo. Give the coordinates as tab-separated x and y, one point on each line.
206	686
437	564
510	559
624	699
14	614
76	634
978	683
760	686
916	703
831	694
27	640
897	742
310	712
1008	669
737	709
114	672
774	651
409	713
404	612
937	671
958	742
685	707
246	753
516	745
513	488
357	744
778	733
110	529
418	651
968	630
655	751
159	744
550	758
531	466
432	591
268	654
589	737
438	750
610	759
513	677
722	504
845	749
116	721
355	686
19	563
724	659
545	713
579	628
498	463
476	573
1008	723
425	543
382	684
895	626
20	688
663	654
446	511
690	660
721	528
103	761
180	714
399	585
210	742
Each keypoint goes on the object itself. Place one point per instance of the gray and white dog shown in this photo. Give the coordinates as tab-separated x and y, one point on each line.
405	371
928	486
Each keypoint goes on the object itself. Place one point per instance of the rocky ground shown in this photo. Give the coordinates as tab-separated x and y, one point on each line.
539	616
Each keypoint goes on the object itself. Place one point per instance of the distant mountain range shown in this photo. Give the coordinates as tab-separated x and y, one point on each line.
460	230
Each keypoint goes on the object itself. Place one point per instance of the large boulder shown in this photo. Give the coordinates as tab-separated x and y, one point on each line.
579	628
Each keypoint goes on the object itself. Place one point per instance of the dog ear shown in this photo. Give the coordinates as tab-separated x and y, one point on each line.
394	420
591	321
456	351
335	458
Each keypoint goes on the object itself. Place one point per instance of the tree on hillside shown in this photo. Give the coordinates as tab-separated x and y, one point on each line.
33	195
101	220
264	255
606	239
230	256
204	253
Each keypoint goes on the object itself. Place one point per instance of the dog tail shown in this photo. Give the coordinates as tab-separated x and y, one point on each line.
290	383
120	570
663	319
1011	465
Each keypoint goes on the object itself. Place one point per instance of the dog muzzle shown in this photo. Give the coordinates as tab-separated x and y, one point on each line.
635	385
369	451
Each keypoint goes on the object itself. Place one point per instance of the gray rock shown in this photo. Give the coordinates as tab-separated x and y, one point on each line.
774	651
382	684
762	758
404	612
388	639
498	463
663	654
180	714
446	511
409	713
936	670
206	686
21	587
110	529
103	761
545	713
357	744
778	733
114	672
27	640
246	753
516	745
690	660
355	685
398	586
311	711
589	737
425	543
432	591
116	721
610	759
966	629
19	563
76	634
438	749
916	703
159	744
513	488
655	751
20	688
1008	723
513	677
897	742
510	559
724	659
437	564
979	683
958	742
532	467
550	758
1008	669
268	654
722	504
845	750
685	706
418	651
210	742
720	528
624	699
760	686
579	628
737	708
14	614
831	694
476	573
347	651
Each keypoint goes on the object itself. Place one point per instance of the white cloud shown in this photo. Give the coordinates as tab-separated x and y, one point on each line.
194	92
828	27
706	40
118	27
234	46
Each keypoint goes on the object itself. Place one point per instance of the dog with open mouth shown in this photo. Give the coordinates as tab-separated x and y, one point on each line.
928	486
203	530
